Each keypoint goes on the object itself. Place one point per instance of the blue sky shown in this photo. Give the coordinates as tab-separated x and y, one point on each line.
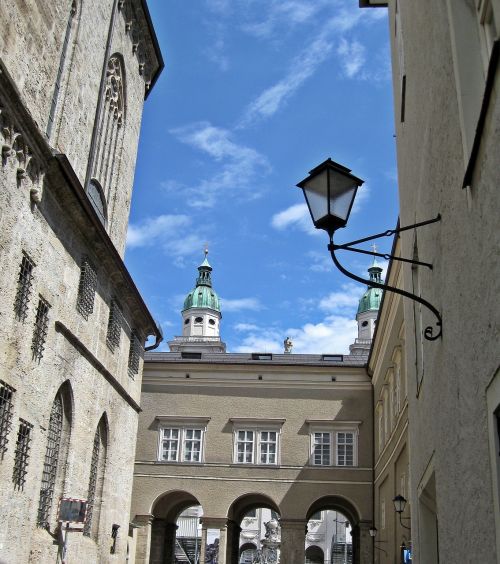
254	94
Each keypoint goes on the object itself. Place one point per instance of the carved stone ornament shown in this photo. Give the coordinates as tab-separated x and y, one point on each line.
15	150
114	89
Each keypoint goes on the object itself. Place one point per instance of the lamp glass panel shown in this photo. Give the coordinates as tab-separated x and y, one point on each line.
315	191
342	192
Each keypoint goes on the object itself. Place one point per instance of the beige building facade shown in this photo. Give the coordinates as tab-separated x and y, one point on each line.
73	77
242	404
447	111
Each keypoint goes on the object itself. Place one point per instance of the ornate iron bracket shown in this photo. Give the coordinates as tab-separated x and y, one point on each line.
332	247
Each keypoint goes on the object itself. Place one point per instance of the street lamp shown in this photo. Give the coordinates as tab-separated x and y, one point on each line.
329	191
399	506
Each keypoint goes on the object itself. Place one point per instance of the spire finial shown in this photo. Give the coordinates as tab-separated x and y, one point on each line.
205	249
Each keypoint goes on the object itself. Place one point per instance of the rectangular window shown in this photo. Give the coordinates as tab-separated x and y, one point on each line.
192	445
134	355
244	447
22	454
321	449
41	328
6	393
24	283
268	444
114	326
181	444
86	289
345	449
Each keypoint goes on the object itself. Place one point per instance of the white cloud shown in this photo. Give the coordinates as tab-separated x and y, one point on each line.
150	230
352	57
321	262
332	335
346	299
240	304
172	233
302	67
239	165
245	327
294	216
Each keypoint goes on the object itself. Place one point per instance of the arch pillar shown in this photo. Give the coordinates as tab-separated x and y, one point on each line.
143	543
293	540
233	542
364	542
169	550
219	523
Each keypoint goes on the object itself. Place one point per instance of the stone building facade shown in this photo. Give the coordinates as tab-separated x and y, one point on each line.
387	368
445	59
73	78
290	433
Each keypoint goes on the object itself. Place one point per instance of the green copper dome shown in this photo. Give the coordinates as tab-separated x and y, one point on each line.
370	300
203	294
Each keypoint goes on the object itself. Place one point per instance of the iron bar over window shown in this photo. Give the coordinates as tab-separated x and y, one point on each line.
24	283
94	465
50	462
114	326
6	393
86	289
22	454
134	354
41	328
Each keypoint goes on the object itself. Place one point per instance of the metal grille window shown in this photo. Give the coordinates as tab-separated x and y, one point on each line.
50	462
86	289
24	283
134	354
244	446
268	443
114	326
6	393
22	454
41	328
345	449
321	449
94	465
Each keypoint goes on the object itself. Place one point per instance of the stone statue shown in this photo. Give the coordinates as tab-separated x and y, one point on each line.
212	553
288	345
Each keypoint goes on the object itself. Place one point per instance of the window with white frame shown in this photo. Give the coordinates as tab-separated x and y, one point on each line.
256	441
336	446
181	441
256	447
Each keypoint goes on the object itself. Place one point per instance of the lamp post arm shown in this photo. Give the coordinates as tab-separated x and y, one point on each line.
429	331
390	232
347	247
401	522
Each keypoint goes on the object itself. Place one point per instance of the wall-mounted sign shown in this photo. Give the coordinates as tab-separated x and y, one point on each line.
72	510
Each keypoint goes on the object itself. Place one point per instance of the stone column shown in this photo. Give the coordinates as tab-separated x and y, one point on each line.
365	542
215	523
143	543
169	550
233	542
203	546
157	542
293	540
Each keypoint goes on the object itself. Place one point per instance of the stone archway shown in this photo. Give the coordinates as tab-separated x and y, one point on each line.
165	511
362	545
237	511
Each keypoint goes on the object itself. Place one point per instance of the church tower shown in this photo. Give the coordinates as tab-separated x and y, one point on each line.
366	317
201	317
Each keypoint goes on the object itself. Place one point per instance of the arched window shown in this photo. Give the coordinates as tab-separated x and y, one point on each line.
56	451
96	480
314	555
109	129
97	199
